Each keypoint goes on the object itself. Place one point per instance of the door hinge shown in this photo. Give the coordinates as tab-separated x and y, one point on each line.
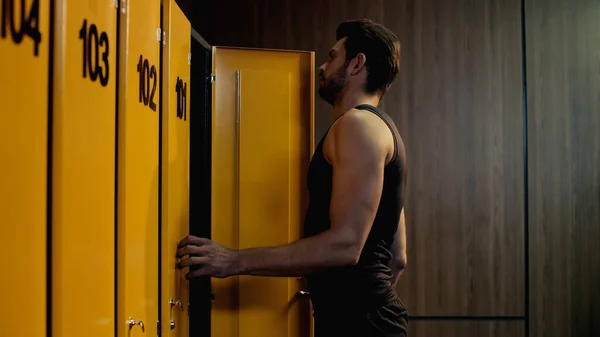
213	78
158	34
158	328
190	58
123	6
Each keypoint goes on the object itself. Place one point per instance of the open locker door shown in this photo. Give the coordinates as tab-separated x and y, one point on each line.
262	142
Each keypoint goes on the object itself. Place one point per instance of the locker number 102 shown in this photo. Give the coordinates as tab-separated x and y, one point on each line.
147	73
27	25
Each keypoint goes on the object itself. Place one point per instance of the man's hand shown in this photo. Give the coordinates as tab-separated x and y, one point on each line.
399	259
212	258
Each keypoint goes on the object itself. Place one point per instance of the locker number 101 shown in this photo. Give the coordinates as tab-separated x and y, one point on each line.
181	89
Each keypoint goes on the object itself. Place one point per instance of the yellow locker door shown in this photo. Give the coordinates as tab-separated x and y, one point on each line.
24	46
175	167
138	171
262	143
83	169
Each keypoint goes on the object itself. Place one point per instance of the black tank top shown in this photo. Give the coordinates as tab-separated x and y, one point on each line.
366	285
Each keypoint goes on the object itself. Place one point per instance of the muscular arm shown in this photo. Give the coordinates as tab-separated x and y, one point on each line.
357	151
399	259
357	154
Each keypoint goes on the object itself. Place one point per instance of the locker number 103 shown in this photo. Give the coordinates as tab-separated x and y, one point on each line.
92	45
28	25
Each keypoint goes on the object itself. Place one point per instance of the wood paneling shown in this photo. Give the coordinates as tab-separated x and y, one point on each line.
466	328
563	63
458	104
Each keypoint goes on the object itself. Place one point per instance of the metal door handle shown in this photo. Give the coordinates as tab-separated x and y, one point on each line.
238	141
176	303
173	303
303	293
131	323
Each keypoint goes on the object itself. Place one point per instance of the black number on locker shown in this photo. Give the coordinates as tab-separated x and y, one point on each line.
147	73
91	61
27	26
181	89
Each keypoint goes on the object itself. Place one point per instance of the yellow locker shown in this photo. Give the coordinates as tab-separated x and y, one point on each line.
175	167
262	143
83	169
24	83
138	170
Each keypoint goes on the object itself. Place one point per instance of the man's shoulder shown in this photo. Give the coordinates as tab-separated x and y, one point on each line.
358	131
359	124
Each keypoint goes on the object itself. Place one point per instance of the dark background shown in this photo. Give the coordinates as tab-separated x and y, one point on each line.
498	102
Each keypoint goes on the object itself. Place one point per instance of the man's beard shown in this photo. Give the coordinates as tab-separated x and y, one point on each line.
332	87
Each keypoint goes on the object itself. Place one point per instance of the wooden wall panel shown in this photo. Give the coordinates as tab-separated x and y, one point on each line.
466	328
563	66
458	103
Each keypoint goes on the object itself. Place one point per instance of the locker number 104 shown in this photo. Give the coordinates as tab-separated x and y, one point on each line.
28	25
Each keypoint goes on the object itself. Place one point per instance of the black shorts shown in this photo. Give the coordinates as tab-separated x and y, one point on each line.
390	320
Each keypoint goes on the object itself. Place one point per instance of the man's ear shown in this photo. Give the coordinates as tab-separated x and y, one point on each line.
358	63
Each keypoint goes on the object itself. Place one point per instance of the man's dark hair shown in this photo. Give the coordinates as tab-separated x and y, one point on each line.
380	46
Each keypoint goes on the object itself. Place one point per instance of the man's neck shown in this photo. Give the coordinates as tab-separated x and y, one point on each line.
349	101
